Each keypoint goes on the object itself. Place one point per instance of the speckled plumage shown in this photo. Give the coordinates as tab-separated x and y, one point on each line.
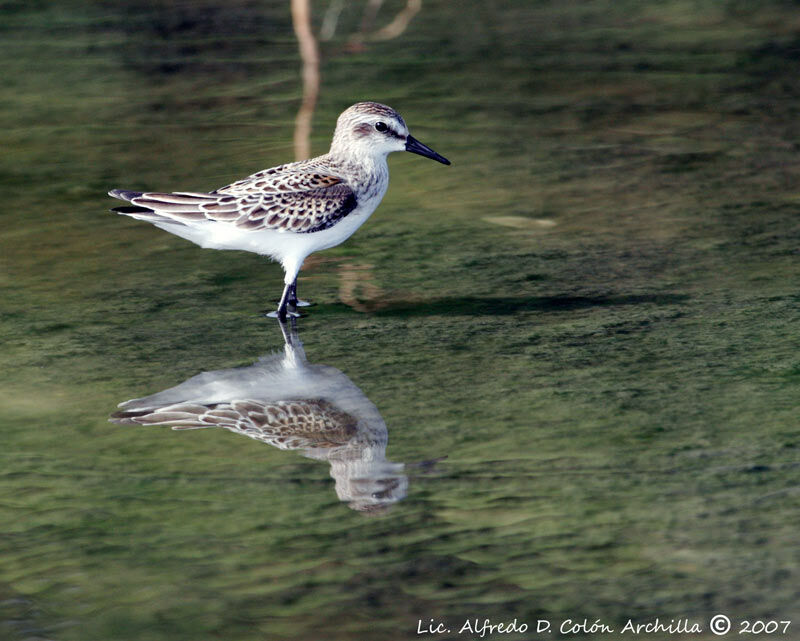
292	210
285	424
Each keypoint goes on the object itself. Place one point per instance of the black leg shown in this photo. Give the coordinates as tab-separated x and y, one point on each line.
293	300
284	306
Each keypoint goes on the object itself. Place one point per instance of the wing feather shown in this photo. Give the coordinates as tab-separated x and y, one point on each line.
281	199
288	424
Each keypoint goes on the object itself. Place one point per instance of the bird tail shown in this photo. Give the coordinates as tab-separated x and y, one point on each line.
124	194
174	209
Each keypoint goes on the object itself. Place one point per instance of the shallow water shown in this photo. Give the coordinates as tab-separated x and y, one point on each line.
581	338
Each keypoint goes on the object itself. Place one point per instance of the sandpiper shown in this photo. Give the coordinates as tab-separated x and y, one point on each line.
292	210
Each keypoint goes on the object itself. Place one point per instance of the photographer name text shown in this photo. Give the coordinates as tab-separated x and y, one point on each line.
719	625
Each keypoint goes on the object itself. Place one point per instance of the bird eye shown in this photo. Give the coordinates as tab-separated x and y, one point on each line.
381	126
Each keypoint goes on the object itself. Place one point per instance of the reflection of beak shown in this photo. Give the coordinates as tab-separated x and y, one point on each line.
389	485
416	147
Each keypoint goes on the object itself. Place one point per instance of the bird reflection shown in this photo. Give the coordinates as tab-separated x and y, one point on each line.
291	404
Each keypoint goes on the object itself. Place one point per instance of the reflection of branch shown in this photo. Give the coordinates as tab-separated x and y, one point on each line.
301	19
395	28
370	13
400	22
356	277
331	20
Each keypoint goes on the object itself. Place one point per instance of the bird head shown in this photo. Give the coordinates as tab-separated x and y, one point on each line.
373	129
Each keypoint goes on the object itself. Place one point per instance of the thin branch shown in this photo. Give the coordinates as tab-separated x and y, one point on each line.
400	22
301	19
331	20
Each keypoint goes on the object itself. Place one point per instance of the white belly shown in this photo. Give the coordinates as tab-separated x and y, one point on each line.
288	248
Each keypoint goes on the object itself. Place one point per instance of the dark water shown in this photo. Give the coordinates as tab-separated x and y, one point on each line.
557	380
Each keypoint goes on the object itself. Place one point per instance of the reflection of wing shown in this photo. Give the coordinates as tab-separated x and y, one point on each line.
285	424
271	199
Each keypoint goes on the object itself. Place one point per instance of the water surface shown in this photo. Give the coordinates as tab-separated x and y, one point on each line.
589	322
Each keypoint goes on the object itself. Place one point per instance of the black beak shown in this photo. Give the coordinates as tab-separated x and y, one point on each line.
416	147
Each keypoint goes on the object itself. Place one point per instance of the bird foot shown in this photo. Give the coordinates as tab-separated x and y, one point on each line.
289	314
301	303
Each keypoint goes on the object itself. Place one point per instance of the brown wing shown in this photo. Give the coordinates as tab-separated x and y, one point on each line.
300	203
287	424
296	176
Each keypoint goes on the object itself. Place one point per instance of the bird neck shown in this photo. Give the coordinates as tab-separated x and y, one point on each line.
363	169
